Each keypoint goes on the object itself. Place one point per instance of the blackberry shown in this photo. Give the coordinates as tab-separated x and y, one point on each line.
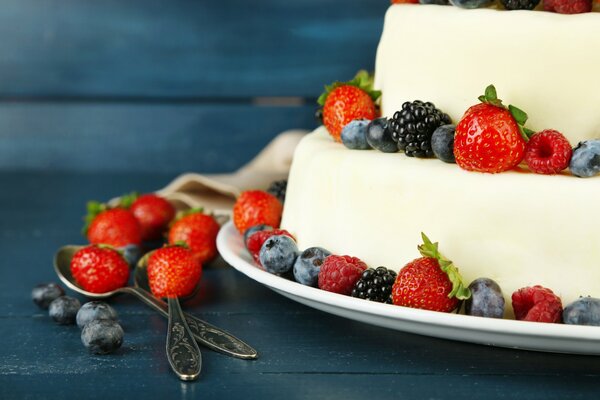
520	4
375	285
278	189
413	126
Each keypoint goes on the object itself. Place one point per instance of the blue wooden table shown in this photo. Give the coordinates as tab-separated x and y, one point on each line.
100	98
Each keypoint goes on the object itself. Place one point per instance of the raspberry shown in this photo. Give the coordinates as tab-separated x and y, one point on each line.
568	6
548	152
256	240
537	304
339	274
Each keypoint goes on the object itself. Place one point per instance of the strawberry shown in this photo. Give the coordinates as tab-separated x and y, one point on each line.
99	268
431	282
490	137
152	212
255	207
344	102
405	1
116	227
173	271
199	232
256	240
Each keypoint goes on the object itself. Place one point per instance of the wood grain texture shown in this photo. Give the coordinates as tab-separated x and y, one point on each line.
183	48
304	353
161	138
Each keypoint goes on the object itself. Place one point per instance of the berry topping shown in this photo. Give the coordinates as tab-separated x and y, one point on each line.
115	227
308	264
95	310
255	207
344	102
486	299
199	232
583	311
44	294
173	271
437	2
413	126
339	274
375	285
585	161
490	137
379	136
354	135
278	254
442	143
256	228
568	6
278	189
537	304
152	212
63	310
548	152
257	239
471	4
102	336
520	4
431	282
99	269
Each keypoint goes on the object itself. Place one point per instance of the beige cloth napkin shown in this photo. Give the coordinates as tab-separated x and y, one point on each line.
217	193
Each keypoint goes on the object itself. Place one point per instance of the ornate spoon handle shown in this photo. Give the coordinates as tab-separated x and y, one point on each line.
182	351
204	333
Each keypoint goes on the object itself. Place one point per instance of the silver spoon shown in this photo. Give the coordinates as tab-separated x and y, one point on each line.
183	352
205	334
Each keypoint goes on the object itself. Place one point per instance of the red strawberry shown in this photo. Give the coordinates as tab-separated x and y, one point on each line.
116	227
256	240
99	269
405	1
339	274
568	6
255	207
537	304
173	271
199	232
431	282
490	137
344	102
548	152
152	212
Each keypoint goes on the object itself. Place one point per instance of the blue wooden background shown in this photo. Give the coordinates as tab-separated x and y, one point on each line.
168	85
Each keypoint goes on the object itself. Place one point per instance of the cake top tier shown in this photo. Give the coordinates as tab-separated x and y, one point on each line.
543	62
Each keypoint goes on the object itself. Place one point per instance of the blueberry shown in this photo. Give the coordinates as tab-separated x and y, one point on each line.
45	293
308	265
471	3
64	309
278	254
379	136
131	253
442	143
102	336
438	2
354	135
254	229
95	310
585	161
584	311
486	299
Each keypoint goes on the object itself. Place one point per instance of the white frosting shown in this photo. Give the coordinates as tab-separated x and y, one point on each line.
545	63
518	228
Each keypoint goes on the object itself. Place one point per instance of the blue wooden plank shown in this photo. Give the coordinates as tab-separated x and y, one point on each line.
146	137
182	48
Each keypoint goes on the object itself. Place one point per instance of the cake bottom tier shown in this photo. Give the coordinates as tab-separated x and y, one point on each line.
518	228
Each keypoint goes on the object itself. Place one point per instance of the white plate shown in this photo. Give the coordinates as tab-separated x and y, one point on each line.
495	332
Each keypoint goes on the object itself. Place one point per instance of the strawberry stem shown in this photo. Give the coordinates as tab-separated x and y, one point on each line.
429	249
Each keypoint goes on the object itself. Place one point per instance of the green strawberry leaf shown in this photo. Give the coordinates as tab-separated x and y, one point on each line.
362	80
490	93
429	249
519	115
128	199
491	97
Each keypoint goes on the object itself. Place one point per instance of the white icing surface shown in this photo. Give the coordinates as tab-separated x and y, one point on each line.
545	63
518	228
